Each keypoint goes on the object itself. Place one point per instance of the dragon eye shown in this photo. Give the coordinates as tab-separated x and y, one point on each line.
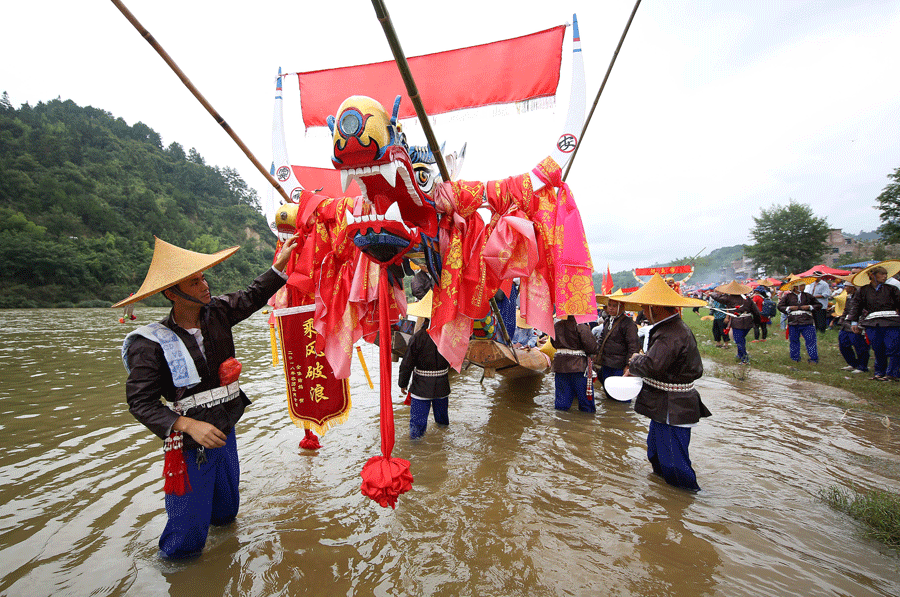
351	123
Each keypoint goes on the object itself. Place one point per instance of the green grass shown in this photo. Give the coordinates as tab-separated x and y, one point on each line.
772	355
879	510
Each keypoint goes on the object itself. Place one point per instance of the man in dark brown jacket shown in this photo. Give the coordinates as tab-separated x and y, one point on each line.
669	368
876	309
798	307
618	341
180	360
574	346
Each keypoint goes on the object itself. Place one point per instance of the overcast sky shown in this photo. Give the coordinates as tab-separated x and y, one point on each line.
715	109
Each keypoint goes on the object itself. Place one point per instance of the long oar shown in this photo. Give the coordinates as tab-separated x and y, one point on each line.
411	90
602	85
187	83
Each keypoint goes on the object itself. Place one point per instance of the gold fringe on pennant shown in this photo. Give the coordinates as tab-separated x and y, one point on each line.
274	345
320	429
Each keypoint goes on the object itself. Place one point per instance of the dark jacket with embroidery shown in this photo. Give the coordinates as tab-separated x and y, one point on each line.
618	341
571	335
672	357
793	299
150	377
868	300
422	354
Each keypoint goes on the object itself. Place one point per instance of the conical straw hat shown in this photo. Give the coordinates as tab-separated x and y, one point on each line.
170	265
618	295
421	308
734	287
891	265
656	292
794	280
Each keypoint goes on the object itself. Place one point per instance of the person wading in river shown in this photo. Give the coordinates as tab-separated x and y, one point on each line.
188	359
669	368
618	340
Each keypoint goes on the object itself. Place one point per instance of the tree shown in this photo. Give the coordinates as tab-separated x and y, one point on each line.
889	204
789	239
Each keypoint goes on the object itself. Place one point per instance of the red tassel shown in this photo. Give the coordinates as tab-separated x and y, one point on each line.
408	401
175	470
310	441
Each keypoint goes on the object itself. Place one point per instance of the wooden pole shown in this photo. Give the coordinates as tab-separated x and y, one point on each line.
187	83
602	85
385	19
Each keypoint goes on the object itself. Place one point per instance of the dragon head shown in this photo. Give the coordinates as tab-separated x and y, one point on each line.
370	148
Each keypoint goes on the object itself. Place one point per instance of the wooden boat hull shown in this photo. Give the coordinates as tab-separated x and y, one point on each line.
498	358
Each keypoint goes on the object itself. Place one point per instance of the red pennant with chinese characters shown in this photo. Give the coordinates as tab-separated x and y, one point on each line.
316	400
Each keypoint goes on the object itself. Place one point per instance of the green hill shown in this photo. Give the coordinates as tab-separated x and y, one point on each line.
82	194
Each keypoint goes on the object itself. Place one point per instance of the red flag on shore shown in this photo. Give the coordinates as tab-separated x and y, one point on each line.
607	286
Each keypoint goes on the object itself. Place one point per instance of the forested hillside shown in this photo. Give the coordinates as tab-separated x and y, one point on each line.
707	269
82	194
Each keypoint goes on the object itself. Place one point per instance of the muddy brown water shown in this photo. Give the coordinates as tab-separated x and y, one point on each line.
513	498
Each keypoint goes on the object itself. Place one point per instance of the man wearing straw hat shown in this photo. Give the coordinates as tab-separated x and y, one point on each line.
619	338
669	368
876	308
188	359
798	306
743	316
853	345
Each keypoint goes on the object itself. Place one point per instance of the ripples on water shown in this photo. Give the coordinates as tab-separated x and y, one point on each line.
513	498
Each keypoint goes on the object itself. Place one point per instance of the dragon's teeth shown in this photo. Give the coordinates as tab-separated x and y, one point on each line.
393	213
389	172
345	180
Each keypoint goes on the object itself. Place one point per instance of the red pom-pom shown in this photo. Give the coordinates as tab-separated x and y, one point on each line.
229	371
310	441
384	479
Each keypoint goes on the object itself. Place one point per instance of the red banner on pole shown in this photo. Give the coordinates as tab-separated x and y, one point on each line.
316	400
662	271
483	75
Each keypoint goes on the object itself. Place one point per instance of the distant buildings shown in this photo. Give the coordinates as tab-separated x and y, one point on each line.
842	249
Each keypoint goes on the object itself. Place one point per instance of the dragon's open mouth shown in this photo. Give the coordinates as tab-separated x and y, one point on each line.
397	210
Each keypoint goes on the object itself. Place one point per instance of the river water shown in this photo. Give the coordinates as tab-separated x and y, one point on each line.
513	498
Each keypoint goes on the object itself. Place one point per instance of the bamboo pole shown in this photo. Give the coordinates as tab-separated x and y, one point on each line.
385	19
187	83
602	85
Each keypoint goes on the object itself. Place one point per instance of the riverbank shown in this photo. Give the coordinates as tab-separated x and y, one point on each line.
772	356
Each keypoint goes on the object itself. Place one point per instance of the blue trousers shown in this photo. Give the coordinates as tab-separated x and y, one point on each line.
213	499
418	414
568	387
809	338
667	451
740	340
854	349
885	343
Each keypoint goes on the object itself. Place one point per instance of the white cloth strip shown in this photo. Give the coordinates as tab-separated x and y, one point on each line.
421	373
882	314
570	352
293	310
669	387
209	397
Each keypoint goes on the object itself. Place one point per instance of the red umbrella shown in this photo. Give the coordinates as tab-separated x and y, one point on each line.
823	270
